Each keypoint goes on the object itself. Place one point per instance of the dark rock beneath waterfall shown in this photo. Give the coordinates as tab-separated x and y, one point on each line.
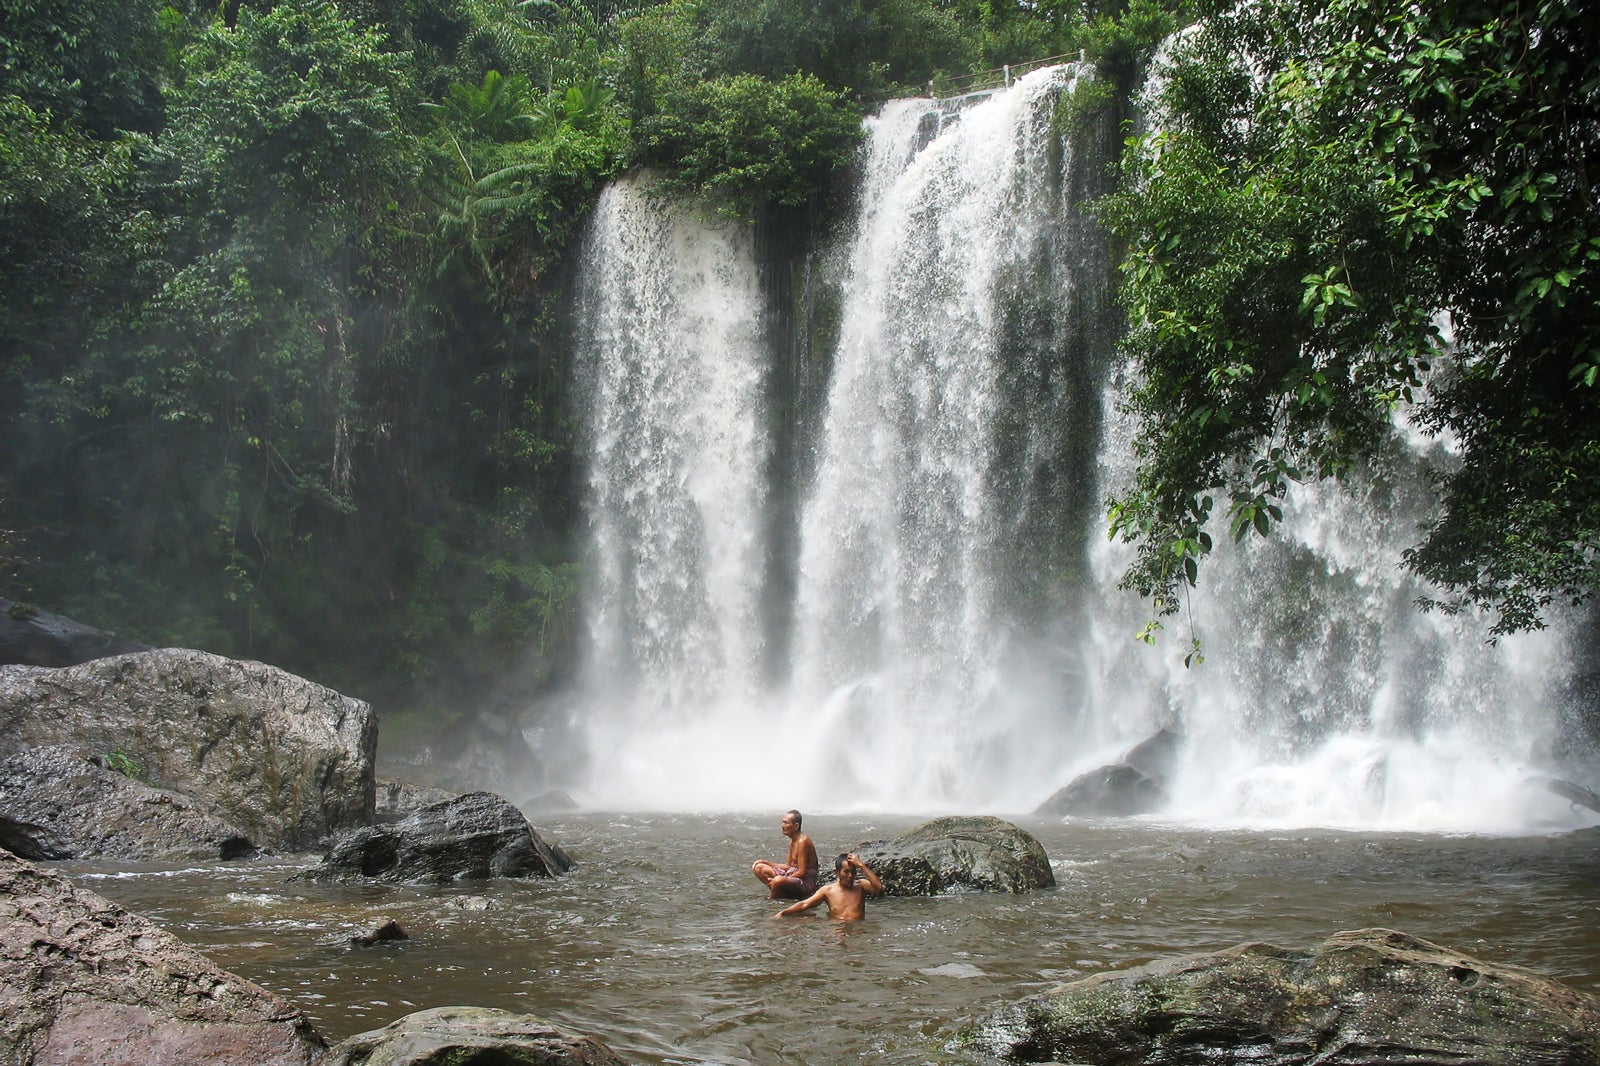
31	637
1156	756
1115	790
287	761
471	1036
84	981
1136	785
1358	999
959	854
471	837
551	801
64	803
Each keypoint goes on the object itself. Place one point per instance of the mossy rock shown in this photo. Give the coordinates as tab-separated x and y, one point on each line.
959	854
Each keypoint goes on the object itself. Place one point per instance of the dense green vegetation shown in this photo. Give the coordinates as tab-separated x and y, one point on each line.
1353	208
282	342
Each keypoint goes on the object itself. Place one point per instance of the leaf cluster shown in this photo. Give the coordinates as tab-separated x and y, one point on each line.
1350	210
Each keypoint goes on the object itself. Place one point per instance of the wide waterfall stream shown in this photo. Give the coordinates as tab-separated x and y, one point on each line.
661	942
875	576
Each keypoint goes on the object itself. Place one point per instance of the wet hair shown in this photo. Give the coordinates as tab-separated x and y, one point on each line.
796	815
841	862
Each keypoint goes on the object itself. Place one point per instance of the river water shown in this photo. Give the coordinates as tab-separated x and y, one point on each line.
661	943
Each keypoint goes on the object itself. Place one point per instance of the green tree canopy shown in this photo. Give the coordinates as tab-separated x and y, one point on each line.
1350	209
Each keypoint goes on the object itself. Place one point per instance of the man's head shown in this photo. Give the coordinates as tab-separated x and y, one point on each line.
845	869
790	824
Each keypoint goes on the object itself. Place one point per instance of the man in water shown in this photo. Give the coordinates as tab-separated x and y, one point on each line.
846	900
795	877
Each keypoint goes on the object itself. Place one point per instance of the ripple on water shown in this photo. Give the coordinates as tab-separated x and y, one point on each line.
661	943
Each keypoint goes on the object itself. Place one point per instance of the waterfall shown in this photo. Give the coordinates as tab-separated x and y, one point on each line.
670	365
952	637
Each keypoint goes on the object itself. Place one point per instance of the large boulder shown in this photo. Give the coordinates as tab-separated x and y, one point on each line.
959	854
471	1036
63	803
1362	998
31	637
84	981
287	761
468	838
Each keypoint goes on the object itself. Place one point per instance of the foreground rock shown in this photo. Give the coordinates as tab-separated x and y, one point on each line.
471	1036
1136	785
1361	998
287	761
959	854
63	803
468	838
31	637
83	981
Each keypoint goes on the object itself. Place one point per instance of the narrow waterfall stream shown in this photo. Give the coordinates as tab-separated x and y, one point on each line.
954	636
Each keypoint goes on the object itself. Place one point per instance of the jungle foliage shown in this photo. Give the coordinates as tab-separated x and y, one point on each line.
282	344
282	347
1347	210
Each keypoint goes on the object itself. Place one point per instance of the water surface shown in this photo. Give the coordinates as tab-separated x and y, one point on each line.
661	942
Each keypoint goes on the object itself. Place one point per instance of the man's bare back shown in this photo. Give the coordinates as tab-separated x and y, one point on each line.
846	898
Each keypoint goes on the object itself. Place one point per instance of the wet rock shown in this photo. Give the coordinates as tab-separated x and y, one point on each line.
1135	785
63	803
287	761
1157	755
471	1036
31	637
471	837
1117	790
84	981
379	931
551	801
959	854
1358	999
1567	790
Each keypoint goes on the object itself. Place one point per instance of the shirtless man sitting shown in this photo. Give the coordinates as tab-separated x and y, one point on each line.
846	900
795	877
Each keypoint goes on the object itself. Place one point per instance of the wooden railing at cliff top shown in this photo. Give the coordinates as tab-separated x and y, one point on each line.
943	87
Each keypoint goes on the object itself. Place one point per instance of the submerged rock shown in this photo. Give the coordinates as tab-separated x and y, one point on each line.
287	761
959	854
84	981
63	803
471	1036
1361	998
381	930
471	837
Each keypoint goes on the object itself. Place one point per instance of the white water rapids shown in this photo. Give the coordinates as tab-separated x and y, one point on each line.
954	640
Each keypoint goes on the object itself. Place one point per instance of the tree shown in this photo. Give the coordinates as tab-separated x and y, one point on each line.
1349	211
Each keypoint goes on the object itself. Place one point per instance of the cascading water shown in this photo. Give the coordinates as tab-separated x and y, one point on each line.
954	638
671	365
